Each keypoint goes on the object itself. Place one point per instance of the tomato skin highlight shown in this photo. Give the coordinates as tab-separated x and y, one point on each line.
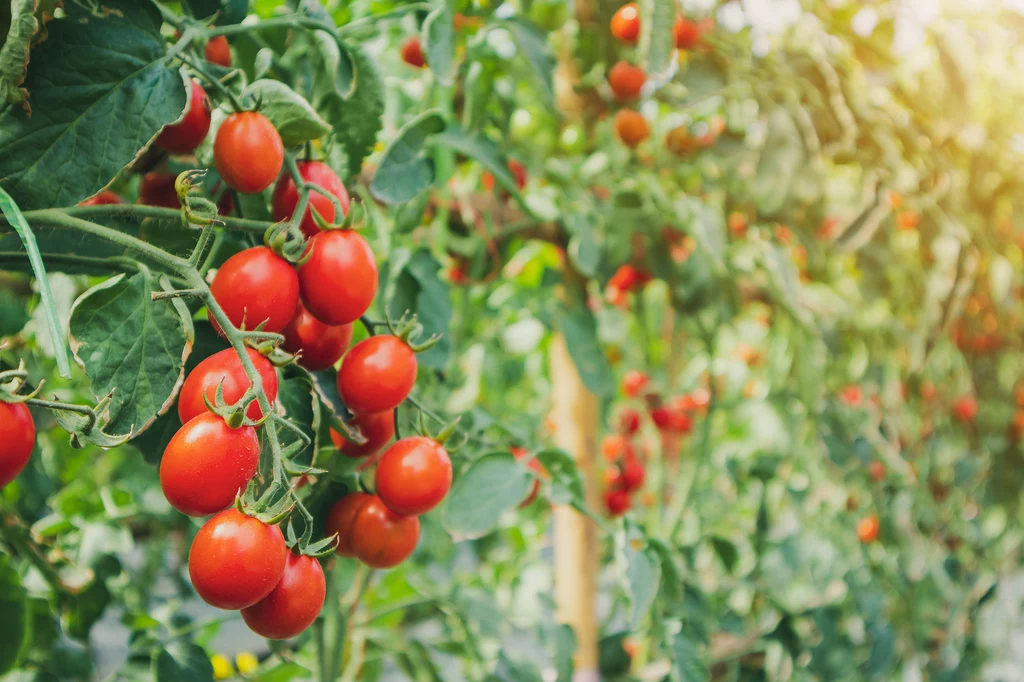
236	560
184	137
377	374
339	280
206	463
413	475
248	152
340	519
625	23
18	435
382	538
255	286
102	199
377	427
321	344
412	52
286	196
157	189
295	602
217	51
224	366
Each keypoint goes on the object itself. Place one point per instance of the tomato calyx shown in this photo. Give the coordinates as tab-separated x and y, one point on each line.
409	326
272	507
11	383
234	415
444	435
303	545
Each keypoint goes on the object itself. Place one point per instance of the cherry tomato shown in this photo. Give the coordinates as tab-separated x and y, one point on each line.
377	427
965	409
248	152
382	538
295	602
626	80
613	446
629	421
185	136
412	53
617	502
868	528
321	344
377	374
256	286
625	24
631	127
633	473
634	383
413	475
18	435
224	366
206	463
340	519
852	395
686	33
218	51
157	189
236	560
286	196
536	467
877	471
103	198
339	279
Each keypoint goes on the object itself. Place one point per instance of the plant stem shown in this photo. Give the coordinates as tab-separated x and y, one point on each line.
138	211
212	80
67	407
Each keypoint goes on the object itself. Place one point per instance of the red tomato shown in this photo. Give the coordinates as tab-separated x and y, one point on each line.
377	427
183	137
877	471
382	538
631	127
633	474
413	475
218	51
157	189
625	24
868	528
412	53
612	446
626	80
248	152
634	383
321	344
852	395
103	198
965	409
224	366
295	602
255	286
629	421
686	33
617	502
340	519
518	171
18	435
339	280
206	463
377	374
286	196
236	560
536	467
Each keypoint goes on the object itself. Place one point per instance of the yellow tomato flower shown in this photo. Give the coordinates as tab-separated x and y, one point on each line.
222	669
247	663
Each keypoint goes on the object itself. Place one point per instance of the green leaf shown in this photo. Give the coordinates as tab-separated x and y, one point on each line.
657	43
478	146
14	53
689	663
515	671
565	648
284	672
781	158
491	485
583	249
355	106
405	170
103	89
182	662
301	407
533	42
14	626
643	576
566	479
726	551
439	40
579	327
294	117
226	11
417	288
131	346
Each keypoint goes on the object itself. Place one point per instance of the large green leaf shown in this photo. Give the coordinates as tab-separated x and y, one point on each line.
579	327
15	52
182	662
133	346
101	89
302	407
14	626
405	170
689	663
491	485
417	288
439	40
533	42
566	480
295	119
356	116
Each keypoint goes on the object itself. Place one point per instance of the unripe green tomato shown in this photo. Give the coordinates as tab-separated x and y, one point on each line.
573	139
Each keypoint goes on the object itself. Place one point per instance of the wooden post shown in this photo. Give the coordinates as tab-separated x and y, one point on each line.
574	416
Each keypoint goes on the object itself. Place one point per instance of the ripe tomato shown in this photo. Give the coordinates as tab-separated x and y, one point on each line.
248	152
868	528
157	189
286	196
413	475
518	171
339	280
224	366
321	344
852	395
686	33
631	127
206	463
617	502
340	519
629	421
295	602
236	560
965	409
217	51
613	446
625	24
626	80
382	538
377	374
634	383
183	137
412	53
534	466
633	473
103	198
877	471
18	435
377	427
255	286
